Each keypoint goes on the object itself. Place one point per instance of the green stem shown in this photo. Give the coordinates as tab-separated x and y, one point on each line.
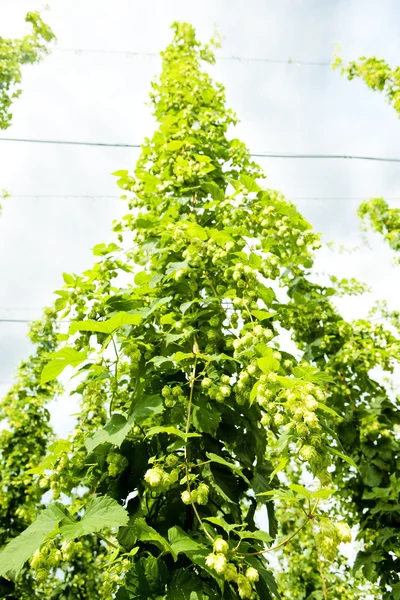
188	420
310	516
282	543
115	373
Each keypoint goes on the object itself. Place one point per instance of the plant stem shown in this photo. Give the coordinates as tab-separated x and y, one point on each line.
211	285
310	516
282	543
115	373
188	420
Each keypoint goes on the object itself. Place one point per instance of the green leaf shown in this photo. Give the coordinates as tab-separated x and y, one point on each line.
146	406
180	356
281	465
168	319
142	278
185	585
206	418
114	432
202	158
371	475
52	370
62	337
324	494
171	431
261	483
103	250
162	361
21	548
176	266
261	315
266	294
262	536
250	184
194	230
145	533
221	237
328	410
223	481
108	326
172	338
101	513
255	260
267	582
268	363
174	145
145	580
220	521
69	279
182	542
301	490
347	459
288	382
118	427
253	393
55	451
61	359
186	305
212	188
281	494
396	591
221	461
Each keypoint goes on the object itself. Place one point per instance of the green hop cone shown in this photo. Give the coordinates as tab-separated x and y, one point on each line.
221	546
202	494
343	532
171	460
206	382
252	575
230	573
244	587
36	559
308	453
154	477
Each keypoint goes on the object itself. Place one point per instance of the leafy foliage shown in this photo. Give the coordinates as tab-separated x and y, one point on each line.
21	548
306	574
377	74
191	404
382	219
15	53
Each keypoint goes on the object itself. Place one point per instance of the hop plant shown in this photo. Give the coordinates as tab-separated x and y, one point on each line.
187	359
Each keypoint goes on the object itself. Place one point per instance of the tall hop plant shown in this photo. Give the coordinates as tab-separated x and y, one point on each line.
190	403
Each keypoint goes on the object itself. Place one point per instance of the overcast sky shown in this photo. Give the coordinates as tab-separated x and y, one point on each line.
100	96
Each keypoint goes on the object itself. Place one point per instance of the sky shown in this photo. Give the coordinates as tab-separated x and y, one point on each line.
100	95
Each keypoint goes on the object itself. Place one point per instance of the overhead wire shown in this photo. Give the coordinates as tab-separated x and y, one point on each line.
233	58
290	155
118	197
238	59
